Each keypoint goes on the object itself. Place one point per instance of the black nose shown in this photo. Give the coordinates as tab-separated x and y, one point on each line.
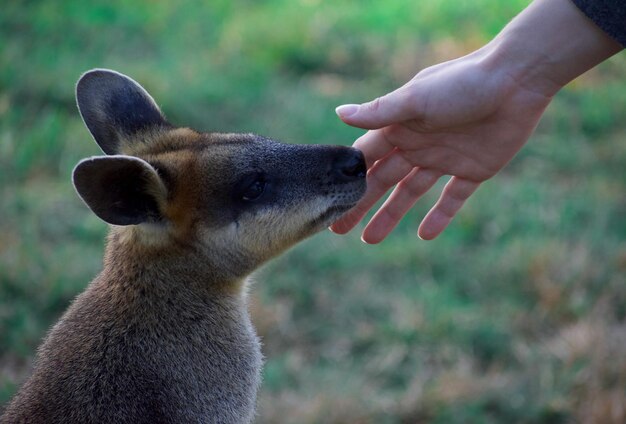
349	165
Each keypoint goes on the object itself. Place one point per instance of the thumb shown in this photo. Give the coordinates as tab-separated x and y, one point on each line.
397	106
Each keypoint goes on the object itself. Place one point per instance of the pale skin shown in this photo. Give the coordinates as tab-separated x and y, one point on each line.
468	117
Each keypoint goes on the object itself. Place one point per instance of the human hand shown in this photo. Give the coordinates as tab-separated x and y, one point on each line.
457	118
468	117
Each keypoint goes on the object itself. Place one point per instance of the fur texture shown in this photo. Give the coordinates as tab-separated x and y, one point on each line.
163	334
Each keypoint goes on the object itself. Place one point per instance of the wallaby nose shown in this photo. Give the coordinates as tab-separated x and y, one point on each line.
349	165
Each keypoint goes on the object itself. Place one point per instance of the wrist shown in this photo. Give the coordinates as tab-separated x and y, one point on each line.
548	45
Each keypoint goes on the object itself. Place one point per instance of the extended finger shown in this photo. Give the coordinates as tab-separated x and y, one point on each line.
374	146
454	195
392	108
404	196
383	175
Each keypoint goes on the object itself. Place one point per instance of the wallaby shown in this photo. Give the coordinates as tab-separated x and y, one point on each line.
162	334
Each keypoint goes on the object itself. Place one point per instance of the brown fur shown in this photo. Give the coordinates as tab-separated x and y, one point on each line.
163	335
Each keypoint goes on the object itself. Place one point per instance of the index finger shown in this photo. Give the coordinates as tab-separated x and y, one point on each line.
374	146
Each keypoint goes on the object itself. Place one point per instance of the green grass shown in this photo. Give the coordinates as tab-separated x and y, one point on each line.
515	314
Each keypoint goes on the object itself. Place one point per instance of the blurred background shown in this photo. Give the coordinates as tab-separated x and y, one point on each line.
515	314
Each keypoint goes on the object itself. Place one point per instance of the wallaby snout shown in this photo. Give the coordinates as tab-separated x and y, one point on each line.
163	333
350	166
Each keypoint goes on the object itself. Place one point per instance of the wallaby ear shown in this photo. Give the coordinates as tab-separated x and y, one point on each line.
121	190
114	108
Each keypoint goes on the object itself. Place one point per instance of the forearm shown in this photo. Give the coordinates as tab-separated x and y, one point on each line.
547	45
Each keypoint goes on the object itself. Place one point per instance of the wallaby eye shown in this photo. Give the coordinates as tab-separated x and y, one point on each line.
254	191
252	187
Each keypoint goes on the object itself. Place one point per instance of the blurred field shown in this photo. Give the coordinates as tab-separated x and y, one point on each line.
515	314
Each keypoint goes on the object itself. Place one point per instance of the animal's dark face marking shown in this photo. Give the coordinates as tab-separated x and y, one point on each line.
271	176
255	195
244	195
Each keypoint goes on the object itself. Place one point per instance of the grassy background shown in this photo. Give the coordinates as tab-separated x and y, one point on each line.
515	314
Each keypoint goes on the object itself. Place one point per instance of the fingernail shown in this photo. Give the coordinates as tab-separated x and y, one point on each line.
346	111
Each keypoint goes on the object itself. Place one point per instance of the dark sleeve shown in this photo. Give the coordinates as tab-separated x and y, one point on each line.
610	15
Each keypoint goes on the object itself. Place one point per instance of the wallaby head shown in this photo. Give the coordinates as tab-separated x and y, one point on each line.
242	198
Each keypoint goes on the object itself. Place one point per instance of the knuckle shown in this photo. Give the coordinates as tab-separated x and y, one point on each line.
394	214
415	188
377	180
375	105
419	182
391	172
451	205
447	210
418	102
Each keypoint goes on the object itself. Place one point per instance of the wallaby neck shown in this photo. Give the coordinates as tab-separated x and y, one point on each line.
132	257
161	335
190	311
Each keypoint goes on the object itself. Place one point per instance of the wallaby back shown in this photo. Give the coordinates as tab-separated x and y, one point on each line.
163	333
